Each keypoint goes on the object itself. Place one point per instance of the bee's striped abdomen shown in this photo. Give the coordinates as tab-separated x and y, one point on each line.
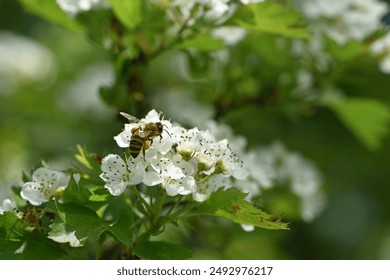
136	144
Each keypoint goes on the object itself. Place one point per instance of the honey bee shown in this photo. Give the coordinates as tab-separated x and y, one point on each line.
142	135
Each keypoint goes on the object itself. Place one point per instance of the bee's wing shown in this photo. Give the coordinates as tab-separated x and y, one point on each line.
131	118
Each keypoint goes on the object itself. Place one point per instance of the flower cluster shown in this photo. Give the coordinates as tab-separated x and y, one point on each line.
183	161
344	20
274	165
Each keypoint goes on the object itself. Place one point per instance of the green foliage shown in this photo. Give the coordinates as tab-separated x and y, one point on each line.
202	43
83	222
231	204
17	241
92	198
128	12
268	86
270	17
123	229
367	119
50	11
160	250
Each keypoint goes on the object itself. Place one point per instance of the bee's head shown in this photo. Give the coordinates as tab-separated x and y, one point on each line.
159	126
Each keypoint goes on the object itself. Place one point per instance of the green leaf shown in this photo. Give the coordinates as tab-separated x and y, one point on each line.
347	51
366	118
18	243
92	198
160	250
123	227
202	42
272	18
76	225
128	12
33	247
11	226
49	10
88	166
231	204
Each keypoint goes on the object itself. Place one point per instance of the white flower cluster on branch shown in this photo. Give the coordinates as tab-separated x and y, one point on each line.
183	161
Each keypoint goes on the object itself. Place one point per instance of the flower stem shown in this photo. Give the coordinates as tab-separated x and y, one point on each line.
146	205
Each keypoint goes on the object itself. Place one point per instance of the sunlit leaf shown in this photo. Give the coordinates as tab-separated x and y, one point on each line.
128	12
272	18
367	119
49	10
231	204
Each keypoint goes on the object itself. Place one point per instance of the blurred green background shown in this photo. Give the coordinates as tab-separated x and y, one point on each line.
49	103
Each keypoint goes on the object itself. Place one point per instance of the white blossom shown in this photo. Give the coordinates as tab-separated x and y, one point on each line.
74	7
171	177
159	144
211	185
344	20
231	35
381	48
118	175
179	161
45	182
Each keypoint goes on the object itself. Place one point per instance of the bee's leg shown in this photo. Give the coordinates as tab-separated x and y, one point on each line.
145	146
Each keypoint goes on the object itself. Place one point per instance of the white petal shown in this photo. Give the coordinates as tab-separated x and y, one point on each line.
163	145
114	166
137	174
65	237
173	172
123	139
248	228
31	192
50	178
116	188
200	197
7	205
152	178
152	116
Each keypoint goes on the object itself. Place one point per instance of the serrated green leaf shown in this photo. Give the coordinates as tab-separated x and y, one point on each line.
202	42
160	250
123	227
272	18
92	198
366	118
49	10
128	12
231	204
76	221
